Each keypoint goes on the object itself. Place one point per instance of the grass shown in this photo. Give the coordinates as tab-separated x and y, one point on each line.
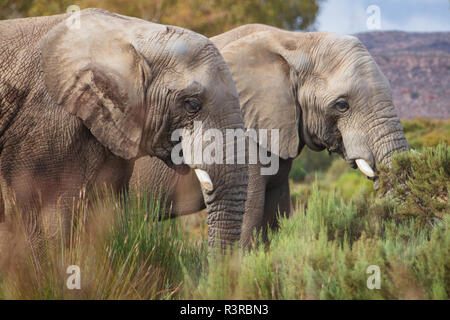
340	227
426	132
324	250
123	248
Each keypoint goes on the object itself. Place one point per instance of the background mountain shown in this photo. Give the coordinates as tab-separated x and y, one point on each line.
418	68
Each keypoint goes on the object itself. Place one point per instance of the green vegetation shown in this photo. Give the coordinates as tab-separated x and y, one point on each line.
123	248
426	132
309	164
323	252
340	227
420	182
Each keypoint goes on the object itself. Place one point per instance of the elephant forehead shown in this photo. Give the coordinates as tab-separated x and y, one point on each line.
179	48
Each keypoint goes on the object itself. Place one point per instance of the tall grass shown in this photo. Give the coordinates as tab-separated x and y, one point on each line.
126	249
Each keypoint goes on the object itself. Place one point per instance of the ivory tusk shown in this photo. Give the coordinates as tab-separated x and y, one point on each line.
204	179
365	167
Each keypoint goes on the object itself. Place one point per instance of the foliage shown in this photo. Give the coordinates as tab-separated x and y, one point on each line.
126	251
346	182
208	17
426	132
335	174
309	163
420	182
10	9
323	251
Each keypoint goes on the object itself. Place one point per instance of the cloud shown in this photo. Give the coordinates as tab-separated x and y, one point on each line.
347	17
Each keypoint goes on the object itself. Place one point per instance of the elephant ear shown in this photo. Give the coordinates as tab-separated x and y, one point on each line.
267	85
95	73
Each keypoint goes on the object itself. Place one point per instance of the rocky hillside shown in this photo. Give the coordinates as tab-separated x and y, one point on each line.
418	68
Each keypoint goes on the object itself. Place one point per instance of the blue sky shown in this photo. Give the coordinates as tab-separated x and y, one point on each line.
349	16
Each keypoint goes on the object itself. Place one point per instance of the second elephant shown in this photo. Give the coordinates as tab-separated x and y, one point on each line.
321	90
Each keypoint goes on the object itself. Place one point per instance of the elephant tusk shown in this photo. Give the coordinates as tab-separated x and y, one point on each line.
204	179
365	167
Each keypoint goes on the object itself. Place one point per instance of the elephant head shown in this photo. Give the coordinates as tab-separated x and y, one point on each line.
318	89
133	83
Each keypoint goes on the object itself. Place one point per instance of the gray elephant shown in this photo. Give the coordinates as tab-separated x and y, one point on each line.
321	90
79	103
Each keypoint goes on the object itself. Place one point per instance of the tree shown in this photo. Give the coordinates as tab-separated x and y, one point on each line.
208	17
10	9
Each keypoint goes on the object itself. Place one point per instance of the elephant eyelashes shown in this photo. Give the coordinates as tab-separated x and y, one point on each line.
192	106
341	106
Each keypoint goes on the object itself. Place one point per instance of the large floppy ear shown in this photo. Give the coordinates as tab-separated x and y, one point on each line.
95	73
267	85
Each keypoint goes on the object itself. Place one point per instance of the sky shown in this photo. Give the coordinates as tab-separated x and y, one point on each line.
351	16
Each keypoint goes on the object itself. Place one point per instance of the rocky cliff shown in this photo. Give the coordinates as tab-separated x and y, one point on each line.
418	68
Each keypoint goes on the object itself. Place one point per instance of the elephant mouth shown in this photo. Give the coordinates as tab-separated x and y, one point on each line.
351	163
364	167
354	163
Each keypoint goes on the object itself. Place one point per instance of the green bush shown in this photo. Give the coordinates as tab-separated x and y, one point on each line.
332	173
420	182
426	132
309	163
345	181
323	251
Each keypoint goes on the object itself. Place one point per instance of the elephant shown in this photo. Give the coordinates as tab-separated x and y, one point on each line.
80	103
320	90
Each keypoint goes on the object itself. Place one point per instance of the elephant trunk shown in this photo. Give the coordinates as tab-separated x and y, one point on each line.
226	207
387	137
224	181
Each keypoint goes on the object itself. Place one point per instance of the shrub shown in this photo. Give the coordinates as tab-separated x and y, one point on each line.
426	132
323	251
309	163
420	182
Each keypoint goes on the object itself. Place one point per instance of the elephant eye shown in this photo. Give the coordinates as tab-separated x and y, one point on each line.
341	106
192	106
